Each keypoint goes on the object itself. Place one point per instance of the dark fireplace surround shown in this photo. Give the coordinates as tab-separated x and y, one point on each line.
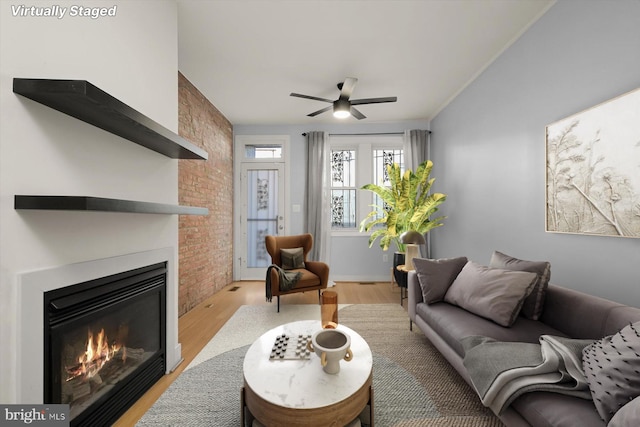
105	343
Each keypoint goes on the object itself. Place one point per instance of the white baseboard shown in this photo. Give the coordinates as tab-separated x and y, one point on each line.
361	278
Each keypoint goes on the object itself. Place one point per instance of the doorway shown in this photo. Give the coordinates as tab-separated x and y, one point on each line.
260	202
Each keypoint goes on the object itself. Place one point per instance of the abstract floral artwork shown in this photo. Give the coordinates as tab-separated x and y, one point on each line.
593	170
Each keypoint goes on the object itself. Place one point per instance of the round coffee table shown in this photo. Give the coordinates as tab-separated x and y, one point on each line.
298	392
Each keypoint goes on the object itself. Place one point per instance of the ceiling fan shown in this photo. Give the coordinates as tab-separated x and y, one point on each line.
343	107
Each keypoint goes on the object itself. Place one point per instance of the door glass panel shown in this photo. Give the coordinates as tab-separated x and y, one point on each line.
262	214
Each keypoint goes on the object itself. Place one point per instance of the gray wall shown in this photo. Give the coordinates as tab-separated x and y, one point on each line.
488	145
351	257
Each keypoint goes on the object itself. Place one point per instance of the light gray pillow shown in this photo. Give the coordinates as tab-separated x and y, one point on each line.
612	368
292	258
532	307
436	275
493	293
628	415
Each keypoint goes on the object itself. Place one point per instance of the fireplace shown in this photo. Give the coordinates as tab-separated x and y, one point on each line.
105	343
33	285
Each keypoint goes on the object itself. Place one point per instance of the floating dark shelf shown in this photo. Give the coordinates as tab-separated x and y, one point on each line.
85	203
86	102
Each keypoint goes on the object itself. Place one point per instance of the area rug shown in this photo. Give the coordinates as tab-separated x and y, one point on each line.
413	384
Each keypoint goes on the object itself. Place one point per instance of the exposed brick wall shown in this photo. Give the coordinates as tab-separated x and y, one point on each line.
205	249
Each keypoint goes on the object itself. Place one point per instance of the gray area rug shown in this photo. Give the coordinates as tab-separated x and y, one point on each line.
413	384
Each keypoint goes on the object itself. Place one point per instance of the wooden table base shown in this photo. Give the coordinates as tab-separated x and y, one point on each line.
338	414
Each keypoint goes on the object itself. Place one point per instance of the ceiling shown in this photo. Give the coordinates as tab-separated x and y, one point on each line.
247	56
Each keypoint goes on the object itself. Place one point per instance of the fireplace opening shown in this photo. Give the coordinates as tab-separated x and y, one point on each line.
104	343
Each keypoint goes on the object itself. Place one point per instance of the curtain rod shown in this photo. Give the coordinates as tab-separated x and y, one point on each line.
365	134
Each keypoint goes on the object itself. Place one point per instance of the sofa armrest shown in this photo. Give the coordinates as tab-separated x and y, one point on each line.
414	295
580	315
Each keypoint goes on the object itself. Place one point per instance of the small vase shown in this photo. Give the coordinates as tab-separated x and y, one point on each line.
329	310
331	346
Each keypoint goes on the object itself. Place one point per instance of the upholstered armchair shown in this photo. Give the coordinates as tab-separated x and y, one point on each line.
314	274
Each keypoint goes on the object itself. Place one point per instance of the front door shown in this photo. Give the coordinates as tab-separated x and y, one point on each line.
262	213
260	172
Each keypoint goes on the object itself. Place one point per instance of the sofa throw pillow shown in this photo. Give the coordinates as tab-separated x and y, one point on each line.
435	276
532	307
612	368
628	415
292	258
493	293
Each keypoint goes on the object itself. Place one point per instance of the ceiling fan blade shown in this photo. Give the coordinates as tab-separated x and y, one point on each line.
357	114
310	97
373	100
315	113
347	87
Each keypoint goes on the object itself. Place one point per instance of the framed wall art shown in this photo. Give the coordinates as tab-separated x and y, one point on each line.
593	170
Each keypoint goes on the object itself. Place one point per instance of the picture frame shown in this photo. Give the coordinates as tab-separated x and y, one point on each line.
593	170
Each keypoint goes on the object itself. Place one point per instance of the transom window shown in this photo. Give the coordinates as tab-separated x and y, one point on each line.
356	161
262	151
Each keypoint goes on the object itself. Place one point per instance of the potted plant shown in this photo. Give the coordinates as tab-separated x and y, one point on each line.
405	205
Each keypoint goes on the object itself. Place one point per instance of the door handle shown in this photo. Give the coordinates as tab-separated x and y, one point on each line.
279	224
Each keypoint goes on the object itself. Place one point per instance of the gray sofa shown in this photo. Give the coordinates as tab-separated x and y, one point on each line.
565	313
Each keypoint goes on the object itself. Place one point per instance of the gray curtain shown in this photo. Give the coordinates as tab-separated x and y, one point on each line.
416	148
318	187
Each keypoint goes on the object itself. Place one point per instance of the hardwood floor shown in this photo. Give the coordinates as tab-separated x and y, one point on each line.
198	326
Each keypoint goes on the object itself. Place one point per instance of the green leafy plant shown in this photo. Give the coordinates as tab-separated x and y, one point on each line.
406	204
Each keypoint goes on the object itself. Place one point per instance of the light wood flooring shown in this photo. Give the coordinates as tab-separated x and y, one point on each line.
198	326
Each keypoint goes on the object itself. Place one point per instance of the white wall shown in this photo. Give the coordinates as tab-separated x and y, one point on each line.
351	257
132	56
488	145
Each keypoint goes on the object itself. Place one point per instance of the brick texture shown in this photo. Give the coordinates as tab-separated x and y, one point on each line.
205	248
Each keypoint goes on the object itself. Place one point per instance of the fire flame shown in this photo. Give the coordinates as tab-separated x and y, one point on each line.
97	353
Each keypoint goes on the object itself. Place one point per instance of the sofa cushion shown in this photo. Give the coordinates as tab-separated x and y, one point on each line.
628	415
493	293
532	307
436	276
612	368
453	323
292	258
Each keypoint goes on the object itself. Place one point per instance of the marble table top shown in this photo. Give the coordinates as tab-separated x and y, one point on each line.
303	384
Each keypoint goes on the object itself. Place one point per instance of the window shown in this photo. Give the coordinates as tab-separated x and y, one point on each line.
262	151
381	159
356	161
343	188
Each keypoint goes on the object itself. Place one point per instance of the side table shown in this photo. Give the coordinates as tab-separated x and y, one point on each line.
403	289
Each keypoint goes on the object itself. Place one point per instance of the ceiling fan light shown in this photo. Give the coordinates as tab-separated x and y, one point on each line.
341	109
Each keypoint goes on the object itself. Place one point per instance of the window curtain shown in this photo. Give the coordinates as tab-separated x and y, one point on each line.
417	143
318	187
416	147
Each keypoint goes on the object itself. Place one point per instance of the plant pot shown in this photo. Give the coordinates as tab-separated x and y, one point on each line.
400	276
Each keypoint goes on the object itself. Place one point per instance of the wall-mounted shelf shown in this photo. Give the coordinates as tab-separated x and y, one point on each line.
85	203
86	102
